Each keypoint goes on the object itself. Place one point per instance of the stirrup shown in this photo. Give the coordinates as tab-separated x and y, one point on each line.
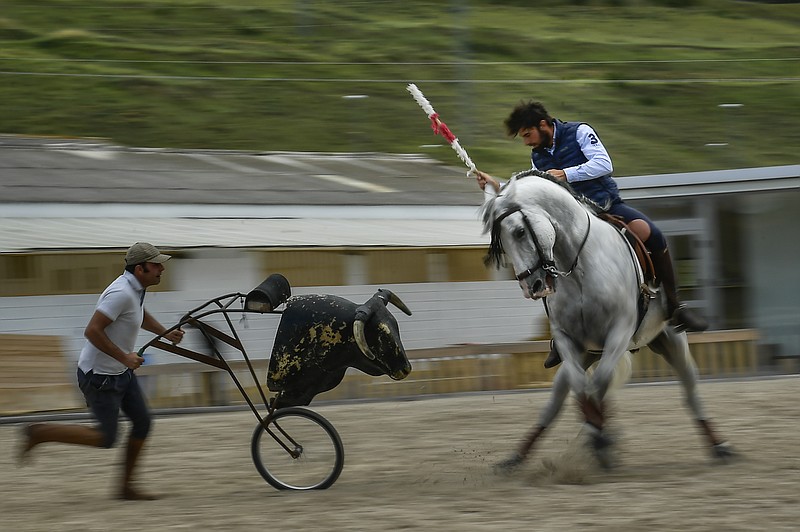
553	358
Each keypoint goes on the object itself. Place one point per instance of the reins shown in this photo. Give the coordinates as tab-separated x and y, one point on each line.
549	266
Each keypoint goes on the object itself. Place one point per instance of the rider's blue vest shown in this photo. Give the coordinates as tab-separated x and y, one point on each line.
602	190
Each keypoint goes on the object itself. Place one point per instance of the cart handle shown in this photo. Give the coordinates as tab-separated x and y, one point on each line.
178	325
223	303
218	300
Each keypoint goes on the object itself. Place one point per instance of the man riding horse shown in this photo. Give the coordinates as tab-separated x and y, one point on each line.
573	152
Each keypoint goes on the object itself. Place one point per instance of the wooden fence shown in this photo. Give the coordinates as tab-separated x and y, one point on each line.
27	387
34	375
452	369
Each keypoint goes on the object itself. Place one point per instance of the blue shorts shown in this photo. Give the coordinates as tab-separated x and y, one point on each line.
106	395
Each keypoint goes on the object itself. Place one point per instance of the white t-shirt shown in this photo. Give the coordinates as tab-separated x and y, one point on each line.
121	303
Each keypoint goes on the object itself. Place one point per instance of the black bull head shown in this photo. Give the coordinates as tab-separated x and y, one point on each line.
320	336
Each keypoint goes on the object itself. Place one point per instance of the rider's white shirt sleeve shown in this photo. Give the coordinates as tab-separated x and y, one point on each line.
598	161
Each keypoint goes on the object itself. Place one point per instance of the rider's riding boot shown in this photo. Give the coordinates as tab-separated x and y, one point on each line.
553	358
681	317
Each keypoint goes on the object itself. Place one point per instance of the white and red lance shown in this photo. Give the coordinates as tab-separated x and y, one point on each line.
440	128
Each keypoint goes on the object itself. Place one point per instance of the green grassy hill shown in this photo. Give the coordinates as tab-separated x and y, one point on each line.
275	75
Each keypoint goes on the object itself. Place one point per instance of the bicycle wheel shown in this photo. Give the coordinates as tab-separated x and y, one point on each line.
318	451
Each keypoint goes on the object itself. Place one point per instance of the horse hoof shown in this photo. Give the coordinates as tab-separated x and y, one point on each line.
509	465
601	444
723	452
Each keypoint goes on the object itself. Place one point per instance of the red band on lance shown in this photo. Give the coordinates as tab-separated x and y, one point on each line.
440	128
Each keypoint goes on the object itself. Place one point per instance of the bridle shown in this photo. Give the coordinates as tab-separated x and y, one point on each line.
548	266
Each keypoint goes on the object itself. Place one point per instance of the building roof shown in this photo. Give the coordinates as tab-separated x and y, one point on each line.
31	234
83	194
44	170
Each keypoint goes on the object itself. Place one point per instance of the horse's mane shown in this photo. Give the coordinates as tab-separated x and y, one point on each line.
593	205
491	224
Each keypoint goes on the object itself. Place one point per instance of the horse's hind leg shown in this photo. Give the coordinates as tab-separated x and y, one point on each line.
674	348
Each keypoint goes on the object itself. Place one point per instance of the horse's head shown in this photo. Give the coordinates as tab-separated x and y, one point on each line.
528	221
527	238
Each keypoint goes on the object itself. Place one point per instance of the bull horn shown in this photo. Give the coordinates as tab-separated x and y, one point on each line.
361	340
391	297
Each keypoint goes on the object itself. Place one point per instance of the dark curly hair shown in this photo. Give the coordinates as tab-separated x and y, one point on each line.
525	115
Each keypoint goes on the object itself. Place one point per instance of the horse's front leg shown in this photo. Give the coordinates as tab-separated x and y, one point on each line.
559	394
547	416
592	403
574	361
615	348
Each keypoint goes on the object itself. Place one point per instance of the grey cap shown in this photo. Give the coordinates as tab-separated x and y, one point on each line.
142	252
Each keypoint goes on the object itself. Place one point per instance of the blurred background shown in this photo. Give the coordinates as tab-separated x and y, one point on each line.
650	76
255	136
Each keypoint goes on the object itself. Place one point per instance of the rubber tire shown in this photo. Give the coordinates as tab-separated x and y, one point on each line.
328	429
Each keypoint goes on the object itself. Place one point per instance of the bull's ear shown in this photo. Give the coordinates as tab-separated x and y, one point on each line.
390	297
363	313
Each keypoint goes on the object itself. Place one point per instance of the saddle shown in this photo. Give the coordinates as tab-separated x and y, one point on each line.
647	289
639	249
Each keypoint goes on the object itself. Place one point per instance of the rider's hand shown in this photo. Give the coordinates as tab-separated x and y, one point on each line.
483	179
175	336
561	175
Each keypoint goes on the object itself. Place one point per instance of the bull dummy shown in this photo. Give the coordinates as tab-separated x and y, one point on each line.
320	336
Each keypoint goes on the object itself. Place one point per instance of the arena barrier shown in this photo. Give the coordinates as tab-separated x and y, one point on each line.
454	369
35	377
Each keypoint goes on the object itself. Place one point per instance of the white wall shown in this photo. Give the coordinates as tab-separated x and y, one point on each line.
212	269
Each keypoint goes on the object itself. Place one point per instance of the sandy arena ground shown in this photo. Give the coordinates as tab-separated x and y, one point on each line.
427	465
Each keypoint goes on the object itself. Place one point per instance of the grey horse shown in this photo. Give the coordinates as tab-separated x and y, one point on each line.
595	295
